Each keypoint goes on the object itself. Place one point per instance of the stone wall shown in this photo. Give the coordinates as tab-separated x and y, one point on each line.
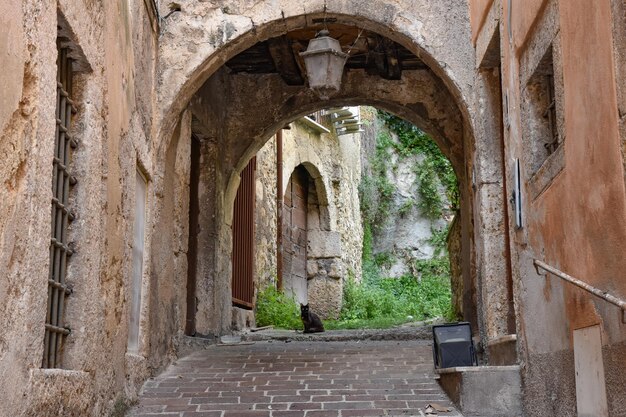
453	245
115	47
334	232
404	234
266	226
573	204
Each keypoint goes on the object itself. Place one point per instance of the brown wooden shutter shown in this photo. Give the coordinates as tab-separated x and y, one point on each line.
243	238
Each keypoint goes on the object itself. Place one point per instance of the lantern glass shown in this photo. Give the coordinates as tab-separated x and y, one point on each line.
324	61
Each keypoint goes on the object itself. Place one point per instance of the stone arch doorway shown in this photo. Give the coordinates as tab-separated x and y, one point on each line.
235	112
311	250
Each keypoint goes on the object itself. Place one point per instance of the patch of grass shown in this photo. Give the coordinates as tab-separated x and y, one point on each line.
377	301
366	301
384	259
389	301
277	309
375	323
370	270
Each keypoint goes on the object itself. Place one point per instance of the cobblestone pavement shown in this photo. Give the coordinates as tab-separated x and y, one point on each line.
311	379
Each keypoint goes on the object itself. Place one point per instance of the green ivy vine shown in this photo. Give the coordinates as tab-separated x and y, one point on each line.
413	141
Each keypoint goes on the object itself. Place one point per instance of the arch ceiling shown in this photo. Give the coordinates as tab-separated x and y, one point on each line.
200	39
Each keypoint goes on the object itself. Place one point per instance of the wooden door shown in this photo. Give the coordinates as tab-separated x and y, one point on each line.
295	235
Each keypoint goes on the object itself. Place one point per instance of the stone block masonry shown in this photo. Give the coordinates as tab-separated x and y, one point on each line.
333	236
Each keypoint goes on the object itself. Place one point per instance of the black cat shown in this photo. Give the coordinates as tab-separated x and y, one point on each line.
312	322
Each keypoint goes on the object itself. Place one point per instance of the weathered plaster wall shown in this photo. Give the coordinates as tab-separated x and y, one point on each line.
114	92
345	177
265	265
25	190
578	224
454	246
12	45
479	9
618	8
494	295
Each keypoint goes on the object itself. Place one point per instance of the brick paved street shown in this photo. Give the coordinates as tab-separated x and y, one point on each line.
312	379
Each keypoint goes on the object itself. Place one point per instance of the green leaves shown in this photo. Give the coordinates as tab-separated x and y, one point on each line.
439	240
413	141
378	301
277	309
391	300
430	203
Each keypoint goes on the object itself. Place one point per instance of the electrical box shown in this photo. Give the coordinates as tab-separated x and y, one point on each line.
453	345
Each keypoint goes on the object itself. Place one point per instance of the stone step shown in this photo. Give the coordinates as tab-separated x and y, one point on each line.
411	331
312	378
485	391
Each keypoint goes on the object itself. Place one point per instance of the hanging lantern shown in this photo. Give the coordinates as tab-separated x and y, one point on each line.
324	61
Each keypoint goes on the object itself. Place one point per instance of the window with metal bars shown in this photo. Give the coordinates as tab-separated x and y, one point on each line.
542	112
62	215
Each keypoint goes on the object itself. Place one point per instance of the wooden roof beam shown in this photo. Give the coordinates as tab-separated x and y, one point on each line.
285	61
394	68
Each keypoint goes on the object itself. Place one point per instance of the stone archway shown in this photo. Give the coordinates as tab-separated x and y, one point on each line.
198	40
312	265
236	113
224	195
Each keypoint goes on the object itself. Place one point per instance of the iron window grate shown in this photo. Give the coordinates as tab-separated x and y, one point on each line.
60	249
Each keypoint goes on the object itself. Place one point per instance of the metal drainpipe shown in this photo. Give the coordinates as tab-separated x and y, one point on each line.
279	209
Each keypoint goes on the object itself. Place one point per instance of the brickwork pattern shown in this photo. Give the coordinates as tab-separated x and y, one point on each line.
312	379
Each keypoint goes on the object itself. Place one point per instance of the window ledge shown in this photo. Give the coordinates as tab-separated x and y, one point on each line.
545	175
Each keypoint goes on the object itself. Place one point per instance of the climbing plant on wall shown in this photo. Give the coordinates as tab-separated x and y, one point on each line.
424	291
376	191
435	166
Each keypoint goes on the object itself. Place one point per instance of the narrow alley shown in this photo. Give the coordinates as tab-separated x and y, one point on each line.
177	173
312	379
